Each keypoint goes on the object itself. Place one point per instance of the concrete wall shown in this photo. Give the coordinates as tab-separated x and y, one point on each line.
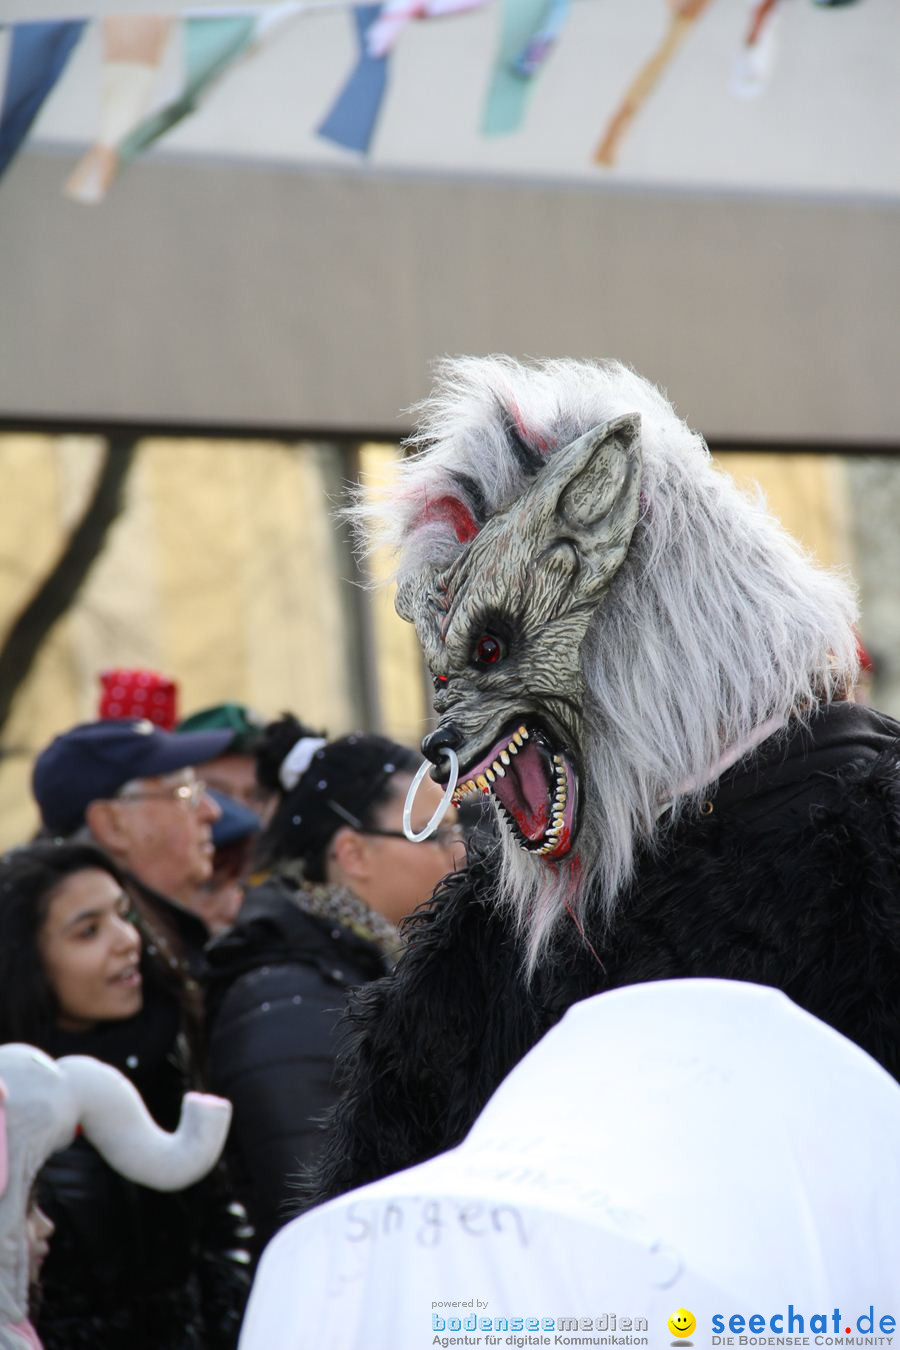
226	293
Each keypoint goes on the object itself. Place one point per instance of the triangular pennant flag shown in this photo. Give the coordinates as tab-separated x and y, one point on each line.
684	13
133	49
211	45
541	43
382	36
756	58
508	93
38	53
352	118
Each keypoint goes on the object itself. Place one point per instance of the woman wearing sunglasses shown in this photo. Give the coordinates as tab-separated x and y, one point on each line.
341	876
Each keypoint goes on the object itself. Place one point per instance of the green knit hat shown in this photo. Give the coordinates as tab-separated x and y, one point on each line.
246	725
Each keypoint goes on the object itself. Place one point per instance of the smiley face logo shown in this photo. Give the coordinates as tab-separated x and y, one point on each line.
682	1323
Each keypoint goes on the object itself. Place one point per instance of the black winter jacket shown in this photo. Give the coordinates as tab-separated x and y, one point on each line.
131	1268
788	876
277	987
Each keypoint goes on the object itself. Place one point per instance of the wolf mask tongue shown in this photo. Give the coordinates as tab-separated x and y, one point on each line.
524	791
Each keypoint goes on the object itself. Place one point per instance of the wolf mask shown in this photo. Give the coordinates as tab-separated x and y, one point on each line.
605	616
502	629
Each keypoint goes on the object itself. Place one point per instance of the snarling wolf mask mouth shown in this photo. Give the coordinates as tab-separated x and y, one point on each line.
502	628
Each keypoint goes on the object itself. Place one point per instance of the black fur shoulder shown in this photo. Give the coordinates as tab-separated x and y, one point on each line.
804	897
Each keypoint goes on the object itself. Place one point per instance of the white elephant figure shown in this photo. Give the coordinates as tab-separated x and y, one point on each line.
43	1103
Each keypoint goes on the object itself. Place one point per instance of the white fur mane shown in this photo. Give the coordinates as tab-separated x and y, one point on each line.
717	621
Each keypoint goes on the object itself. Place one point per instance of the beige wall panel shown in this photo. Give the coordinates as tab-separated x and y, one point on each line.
32	506
77	461
48	703
249	596
29	515
294	623
248	591
807	493
405	715
199	547
116	619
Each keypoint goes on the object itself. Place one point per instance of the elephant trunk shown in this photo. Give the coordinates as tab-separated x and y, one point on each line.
118	1124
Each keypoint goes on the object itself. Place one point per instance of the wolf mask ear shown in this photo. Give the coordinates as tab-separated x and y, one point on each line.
601	477
587	500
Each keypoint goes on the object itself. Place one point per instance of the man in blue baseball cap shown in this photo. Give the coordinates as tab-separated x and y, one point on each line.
133	788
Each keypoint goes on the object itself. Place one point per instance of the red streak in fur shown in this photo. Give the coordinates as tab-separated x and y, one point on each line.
540	443
452	511
584	937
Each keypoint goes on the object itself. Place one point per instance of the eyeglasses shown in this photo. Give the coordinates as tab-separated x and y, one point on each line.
445	836
188	794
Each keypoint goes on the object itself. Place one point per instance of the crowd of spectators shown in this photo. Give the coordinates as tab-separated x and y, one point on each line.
199	901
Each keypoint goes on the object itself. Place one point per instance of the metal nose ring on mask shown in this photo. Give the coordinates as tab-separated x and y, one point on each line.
443	805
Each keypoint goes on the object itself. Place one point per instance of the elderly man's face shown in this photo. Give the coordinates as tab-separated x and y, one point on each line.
164	829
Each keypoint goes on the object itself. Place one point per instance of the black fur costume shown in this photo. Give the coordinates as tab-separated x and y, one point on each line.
788	876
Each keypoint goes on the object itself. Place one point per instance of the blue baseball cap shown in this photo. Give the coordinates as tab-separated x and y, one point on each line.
236	821
94	760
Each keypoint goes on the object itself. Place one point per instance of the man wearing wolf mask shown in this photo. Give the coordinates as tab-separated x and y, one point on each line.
651	682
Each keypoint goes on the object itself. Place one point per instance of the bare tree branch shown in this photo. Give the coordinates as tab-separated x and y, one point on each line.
59	589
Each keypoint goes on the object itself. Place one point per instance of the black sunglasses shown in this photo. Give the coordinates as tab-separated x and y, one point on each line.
445	835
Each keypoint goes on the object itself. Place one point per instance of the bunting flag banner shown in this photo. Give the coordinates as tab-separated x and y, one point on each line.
756	59
352	118
508	92
133	47
684	13
210	47
38	53
396	14
539	47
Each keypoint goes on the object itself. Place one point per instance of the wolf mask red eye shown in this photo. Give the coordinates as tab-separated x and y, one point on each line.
488	650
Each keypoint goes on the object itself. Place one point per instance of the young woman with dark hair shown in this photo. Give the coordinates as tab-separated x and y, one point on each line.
341	876
129	1268
34	882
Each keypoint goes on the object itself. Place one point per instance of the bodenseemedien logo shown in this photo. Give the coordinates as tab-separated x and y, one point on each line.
604	1329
